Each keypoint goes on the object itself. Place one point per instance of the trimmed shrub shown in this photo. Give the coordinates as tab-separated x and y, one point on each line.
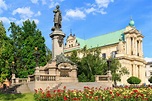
150	79
133	80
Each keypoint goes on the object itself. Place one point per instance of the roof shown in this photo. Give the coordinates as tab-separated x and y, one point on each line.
102	40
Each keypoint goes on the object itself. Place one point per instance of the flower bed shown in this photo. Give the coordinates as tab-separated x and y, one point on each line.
96	94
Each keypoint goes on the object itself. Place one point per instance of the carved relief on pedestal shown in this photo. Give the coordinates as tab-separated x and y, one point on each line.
64	69
60	40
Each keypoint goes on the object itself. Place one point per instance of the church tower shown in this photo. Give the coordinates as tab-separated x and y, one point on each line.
57	35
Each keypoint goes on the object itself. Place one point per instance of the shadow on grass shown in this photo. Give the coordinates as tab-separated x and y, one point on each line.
10	97
10	93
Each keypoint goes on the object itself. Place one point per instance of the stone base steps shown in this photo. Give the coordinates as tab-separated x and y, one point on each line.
23	88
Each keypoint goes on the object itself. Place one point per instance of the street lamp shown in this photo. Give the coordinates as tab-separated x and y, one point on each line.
13	69
37	54
108	64
13	72
109	72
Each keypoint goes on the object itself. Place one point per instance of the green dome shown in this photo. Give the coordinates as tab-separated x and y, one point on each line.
131	23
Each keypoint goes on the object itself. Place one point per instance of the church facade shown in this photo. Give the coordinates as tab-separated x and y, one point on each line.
124	44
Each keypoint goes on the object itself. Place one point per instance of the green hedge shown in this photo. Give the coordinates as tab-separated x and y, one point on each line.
133	80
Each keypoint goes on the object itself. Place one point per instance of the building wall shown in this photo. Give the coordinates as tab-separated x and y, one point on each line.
129	52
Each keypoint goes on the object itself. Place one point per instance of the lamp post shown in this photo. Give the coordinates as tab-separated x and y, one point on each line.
108	64
37	54
109	72
13	72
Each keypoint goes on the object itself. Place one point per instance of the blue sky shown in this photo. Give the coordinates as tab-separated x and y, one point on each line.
84	18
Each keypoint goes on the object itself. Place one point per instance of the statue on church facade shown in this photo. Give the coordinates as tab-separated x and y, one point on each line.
57	18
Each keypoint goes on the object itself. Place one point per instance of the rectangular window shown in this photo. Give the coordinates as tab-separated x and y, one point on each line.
104	55
113	54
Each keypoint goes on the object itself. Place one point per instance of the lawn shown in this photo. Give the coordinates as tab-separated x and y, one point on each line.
17	97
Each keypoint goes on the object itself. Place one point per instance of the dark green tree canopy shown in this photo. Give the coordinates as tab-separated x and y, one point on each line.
24	39
92	64
5	54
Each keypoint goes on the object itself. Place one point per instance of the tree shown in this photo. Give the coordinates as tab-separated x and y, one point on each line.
89	65
24	39
48	54
92	64
117	70
5	53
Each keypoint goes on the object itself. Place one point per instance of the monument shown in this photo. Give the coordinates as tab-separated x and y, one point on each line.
57	35
59	69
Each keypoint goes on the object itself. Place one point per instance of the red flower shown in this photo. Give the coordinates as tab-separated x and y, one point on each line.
65	98
75	98
135	91
35	90
64	87
110	92
54	91
117	94
48	95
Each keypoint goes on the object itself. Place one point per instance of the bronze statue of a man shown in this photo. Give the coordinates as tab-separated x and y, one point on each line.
57	18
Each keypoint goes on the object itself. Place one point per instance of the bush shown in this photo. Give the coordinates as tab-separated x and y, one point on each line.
133	80
150	79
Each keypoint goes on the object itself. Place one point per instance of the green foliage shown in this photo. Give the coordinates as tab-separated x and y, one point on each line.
133	80
5	54
116	70
92	64
89	65
24	39
17	97
48	54
150	79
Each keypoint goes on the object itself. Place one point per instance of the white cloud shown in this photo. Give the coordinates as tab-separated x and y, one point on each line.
5	20
24	12
97	7
90	10
34	1
38	13
3	5
103	3
75	14
148	59
102	11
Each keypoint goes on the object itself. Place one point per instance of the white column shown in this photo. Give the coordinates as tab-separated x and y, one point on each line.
133	45
129	45
141	48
